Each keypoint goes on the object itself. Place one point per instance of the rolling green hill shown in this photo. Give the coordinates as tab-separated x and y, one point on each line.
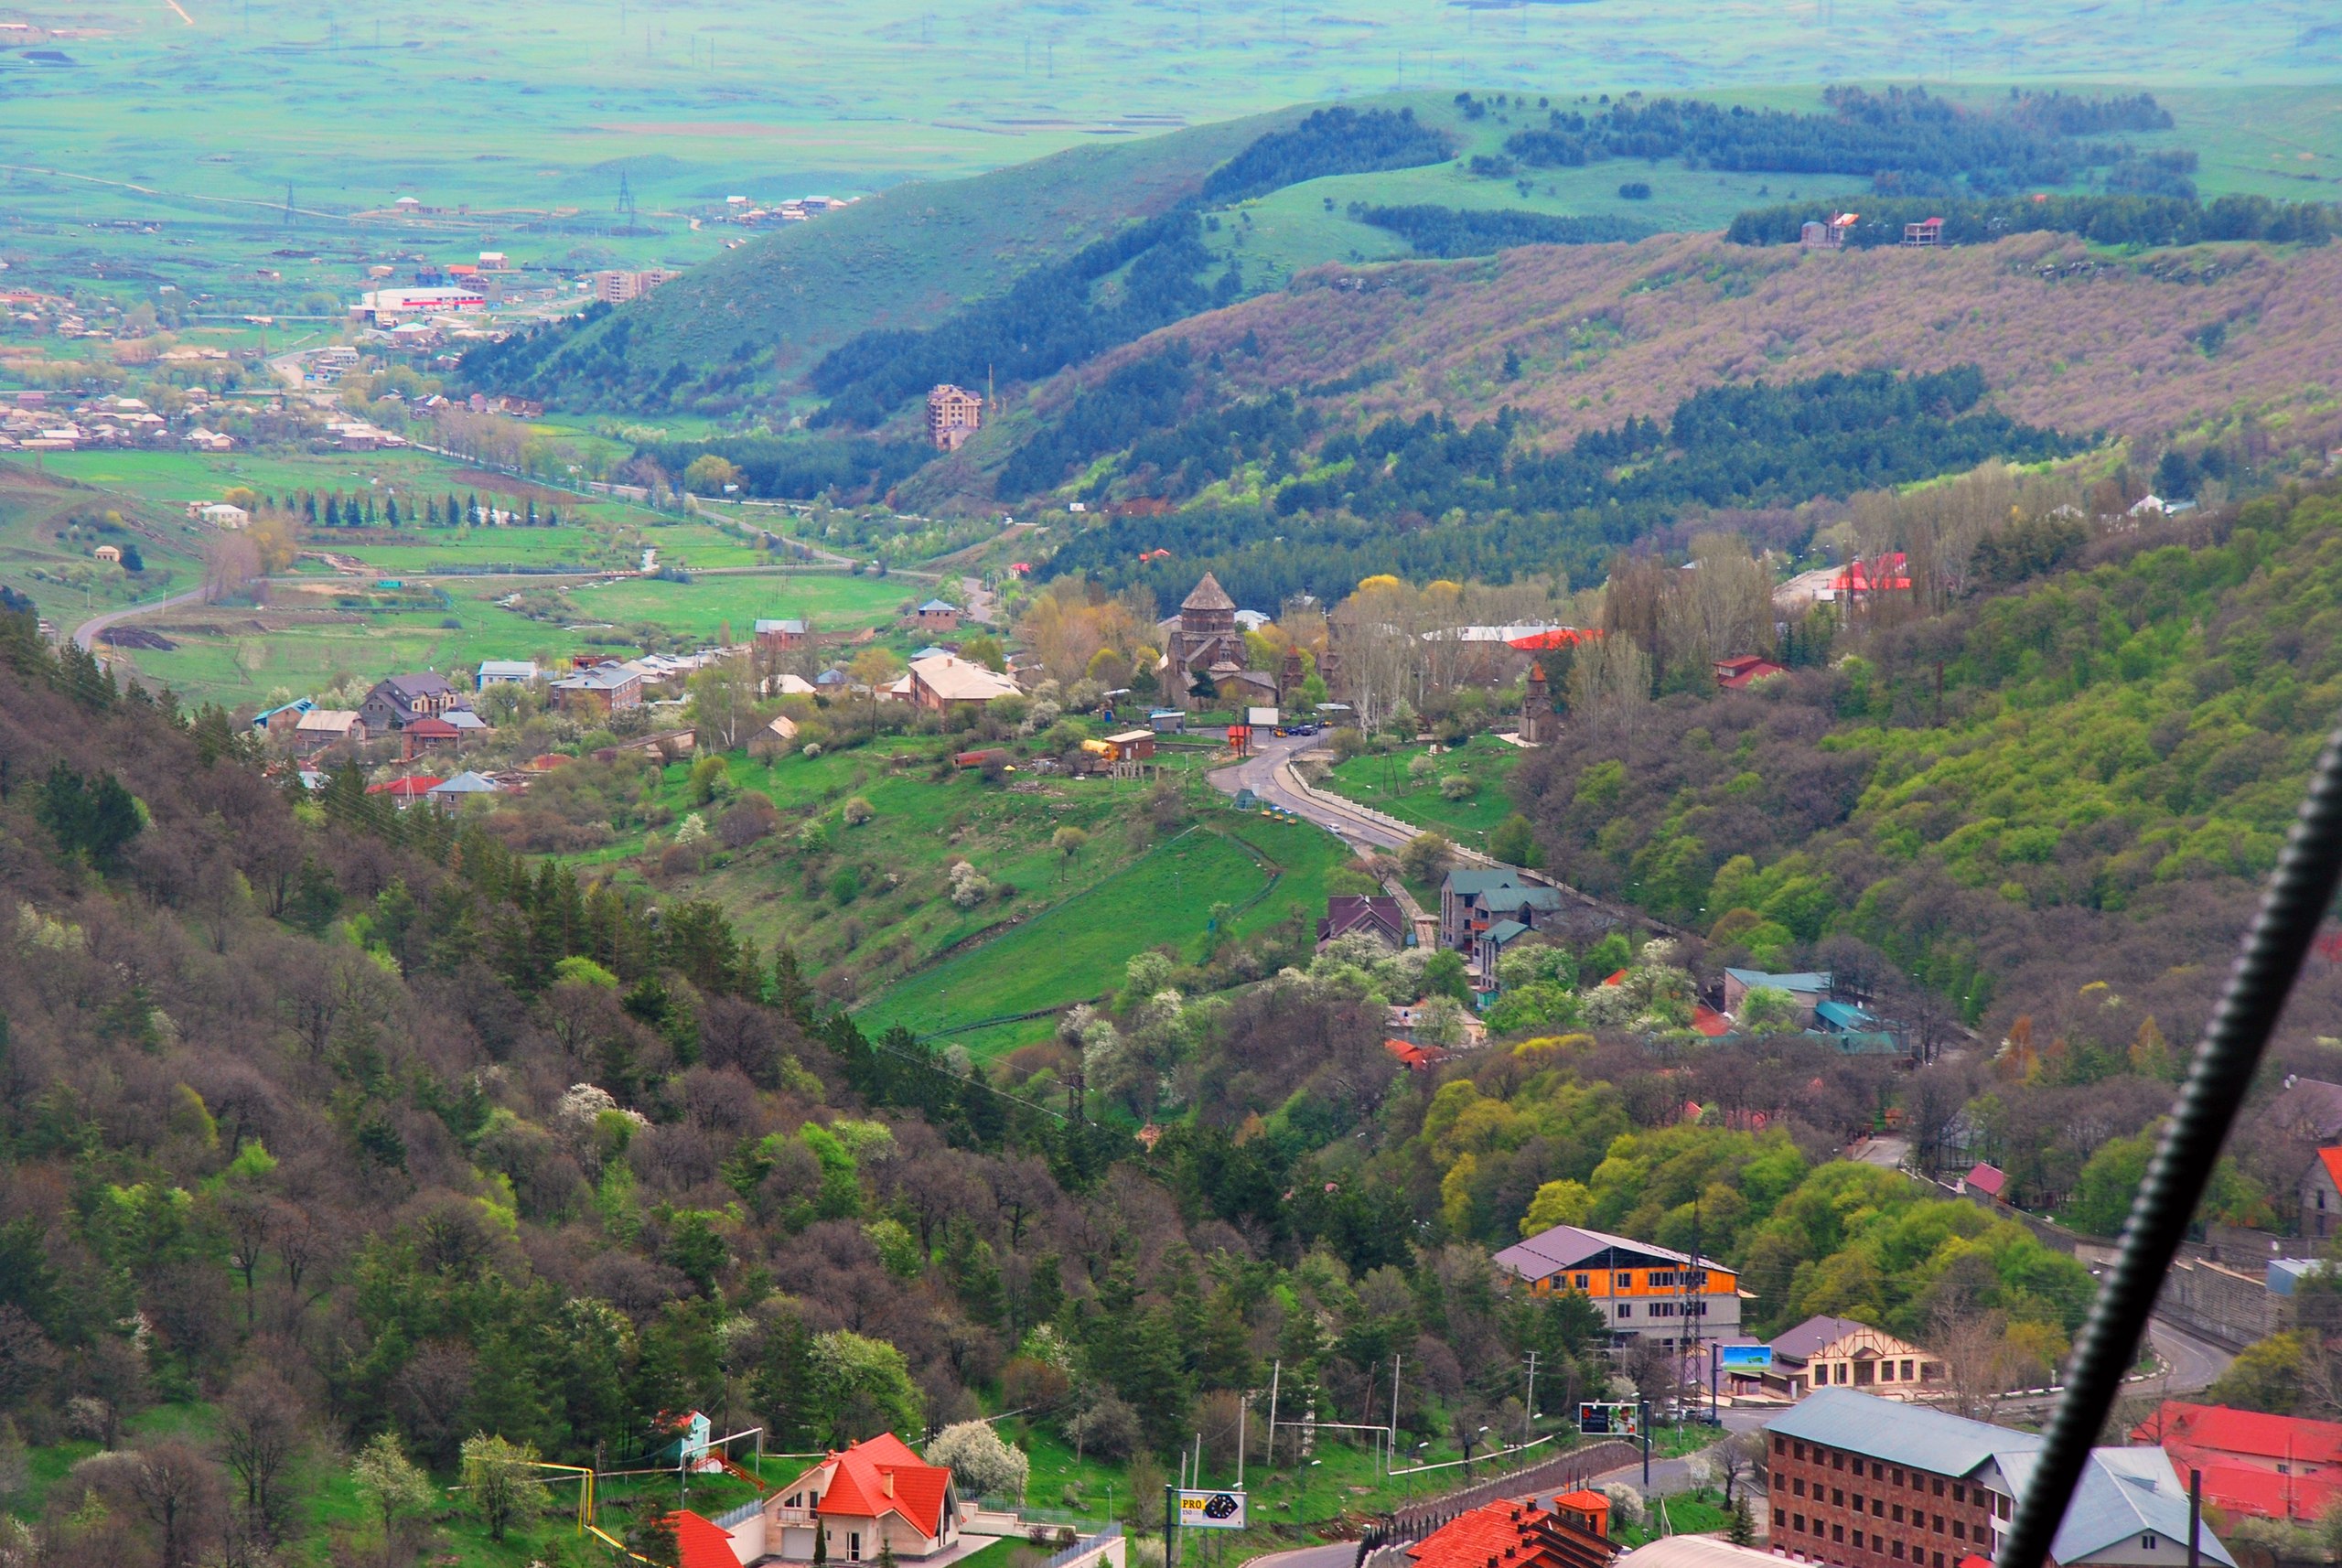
898	260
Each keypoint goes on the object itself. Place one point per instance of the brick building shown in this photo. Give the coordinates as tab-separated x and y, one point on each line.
1856	1481
953	414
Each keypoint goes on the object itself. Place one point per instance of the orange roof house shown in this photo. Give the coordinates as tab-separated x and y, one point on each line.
1517	1535
702	1542
877	1492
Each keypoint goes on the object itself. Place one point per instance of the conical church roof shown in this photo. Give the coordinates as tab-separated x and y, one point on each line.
1209	596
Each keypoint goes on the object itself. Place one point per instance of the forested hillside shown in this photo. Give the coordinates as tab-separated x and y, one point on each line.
322	1127
1900	139
2065	338
1505	510
2055	801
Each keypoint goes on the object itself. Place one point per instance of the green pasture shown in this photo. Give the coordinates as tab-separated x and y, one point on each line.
1381	782
47	533
833	601
1076	950
224	654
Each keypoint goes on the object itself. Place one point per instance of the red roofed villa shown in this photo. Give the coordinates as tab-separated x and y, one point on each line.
877	1492
702	1542
2271	1466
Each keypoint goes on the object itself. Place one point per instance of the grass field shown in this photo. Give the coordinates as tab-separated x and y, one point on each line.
1076	950
1381	782
49	531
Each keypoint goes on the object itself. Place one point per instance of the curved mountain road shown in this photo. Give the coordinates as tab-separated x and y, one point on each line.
87	633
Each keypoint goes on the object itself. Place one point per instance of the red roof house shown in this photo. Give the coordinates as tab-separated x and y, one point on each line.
877	1492
1415	1057
1887	573
1515	1535
1739	674
703	1543
1548	641
405	792
2271	1466
1989	1180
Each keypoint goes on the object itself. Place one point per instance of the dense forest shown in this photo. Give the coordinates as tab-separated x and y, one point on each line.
594	369
1329	142
1053	317
1906	140
2110	220
328	1131
1483	231
1427	497
798	467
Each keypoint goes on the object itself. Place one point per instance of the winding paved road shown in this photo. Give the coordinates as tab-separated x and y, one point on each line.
86	634
1268	773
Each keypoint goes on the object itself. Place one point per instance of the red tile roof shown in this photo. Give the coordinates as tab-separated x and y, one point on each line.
434	729
412	787
2332	1160
1415	1057
1748	672
1512	1535
705	1544
1989	1180
2219	1428
2264	1493
881	1475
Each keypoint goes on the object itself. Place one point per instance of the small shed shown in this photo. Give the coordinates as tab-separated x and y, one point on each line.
1130	746
1167	721
108	553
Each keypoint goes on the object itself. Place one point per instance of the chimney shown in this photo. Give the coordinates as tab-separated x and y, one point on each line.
887	1482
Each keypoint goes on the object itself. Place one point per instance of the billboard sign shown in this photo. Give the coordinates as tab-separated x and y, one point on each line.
1608	1419
1212	1510
1747	1357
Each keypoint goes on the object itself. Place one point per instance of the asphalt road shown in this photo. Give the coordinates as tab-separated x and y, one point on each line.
2196	1364
1268	774
86	634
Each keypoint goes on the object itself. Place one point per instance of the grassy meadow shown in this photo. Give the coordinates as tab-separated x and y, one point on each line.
1075	950
1381	782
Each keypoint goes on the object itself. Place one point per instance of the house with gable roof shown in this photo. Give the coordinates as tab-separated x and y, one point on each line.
876	1493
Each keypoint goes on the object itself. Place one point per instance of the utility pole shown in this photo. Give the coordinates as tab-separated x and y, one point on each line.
1529	1410
1391	1451
1276	1370
1243	1406
1170	1522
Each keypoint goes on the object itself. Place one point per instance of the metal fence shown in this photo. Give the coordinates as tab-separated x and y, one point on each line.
732	1519
1081	1549
1563	1472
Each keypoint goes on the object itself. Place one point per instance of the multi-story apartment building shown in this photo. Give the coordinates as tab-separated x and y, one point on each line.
1856	1481
1642	1291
